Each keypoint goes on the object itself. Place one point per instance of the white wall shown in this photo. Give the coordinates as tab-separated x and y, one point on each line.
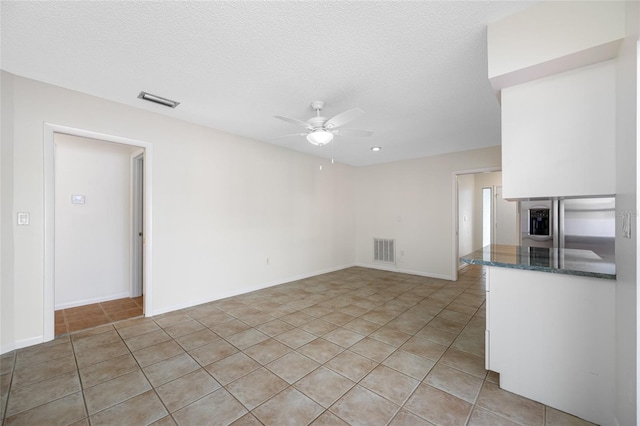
627	201
6	210
222	204
466	221
551	37
565	125
93	258
412	201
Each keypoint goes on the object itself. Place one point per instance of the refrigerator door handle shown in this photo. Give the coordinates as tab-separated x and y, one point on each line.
558	220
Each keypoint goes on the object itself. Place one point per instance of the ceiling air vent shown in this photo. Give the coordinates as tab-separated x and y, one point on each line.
158	100
384	250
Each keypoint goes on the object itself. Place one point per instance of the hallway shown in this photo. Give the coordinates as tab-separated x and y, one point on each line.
88	316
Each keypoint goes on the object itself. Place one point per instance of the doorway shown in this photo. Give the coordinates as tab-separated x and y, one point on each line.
481	215
95	189
51	131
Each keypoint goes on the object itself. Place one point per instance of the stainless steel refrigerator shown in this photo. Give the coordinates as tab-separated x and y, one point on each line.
577	223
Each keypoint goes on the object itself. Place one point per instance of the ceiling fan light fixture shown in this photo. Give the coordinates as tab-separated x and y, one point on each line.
320	137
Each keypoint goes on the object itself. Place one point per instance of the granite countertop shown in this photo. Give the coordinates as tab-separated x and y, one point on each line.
583	263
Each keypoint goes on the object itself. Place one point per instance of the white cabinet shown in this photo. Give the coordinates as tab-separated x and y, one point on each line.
558	135
552	338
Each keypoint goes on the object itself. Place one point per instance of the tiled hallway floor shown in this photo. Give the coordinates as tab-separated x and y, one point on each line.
88	316
357	346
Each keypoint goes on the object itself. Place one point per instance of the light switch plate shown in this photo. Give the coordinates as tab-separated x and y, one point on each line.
23	218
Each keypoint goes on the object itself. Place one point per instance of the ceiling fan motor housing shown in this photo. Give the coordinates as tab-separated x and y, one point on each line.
316	122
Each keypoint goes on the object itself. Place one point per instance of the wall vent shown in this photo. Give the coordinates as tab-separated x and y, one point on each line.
384	250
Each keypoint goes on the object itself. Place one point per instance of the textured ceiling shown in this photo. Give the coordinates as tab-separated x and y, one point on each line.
418	69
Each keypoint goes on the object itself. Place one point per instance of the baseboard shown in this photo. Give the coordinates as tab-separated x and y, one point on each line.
7	348
404	271
90	301
248	290
21	344
39	339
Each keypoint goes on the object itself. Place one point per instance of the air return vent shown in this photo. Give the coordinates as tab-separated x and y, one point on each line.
158	100
384	250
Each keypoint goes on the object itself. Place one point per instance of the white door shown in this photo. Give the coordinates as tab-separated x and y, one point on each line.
137	213
506	220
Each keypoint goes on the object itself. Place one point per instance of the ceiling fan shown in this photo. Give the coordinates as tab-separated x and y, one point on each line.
320	131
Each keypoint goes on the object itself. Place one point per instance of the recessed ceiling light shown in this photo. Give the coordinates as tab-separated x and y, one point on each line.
158	100
376	149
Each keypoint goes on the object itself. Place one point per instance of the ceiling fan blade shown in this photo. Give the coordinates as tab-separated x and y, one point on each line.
288	136
352	132
343	118
293	121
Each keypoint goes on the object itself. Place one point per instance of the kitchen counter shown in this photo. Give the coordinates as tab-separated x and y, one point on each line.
584	263
550	326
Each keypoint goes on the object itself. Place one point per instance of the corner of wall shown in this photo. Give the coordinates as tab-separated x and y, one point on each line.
626	362
6	213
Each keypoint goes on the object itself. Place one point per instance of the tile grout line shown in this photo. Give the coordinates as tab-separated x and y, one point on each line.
143	373
11	386
469	414
451	296
6	403
84	400
484	381
400	406
224	387
324	410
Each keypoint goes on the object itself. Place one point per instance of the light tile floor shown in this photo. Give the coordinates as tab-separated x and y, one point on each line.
357	346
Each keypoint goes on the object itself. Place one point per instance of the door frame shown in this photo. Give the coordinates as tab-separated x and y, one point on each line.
455	256
49	131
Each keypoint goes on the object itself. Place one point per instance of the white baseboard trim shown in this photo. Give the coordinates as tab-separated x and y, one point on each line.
21	344
404	271
247	290
90	301
40	339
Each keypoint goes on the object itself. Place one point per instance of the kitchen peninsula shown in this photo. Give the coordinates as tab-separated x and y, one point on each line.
550	328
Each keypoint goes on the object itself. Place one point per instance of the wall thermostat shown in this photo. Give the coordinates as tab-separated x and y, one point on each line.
77	199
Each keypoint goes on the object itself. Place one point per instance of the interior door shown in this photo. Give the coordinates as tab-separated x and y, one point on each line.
505	220
137	212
